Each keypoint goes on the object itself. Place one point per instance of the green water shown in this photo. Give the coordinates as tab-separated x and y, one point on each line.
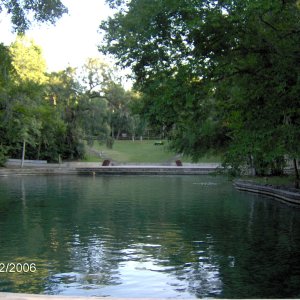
143	236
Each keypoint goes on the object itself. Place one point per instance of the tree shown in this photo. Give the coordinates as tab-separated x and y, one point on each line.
93	118
95	76
5	66
137	126
137	123
118	104
24	93
38	110
23	13
28	61
5	70
216	73
64	93
105	105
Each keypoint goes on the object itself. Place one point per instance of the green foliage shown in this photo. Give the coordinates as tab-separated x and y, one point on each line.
93	118
5	70
109	142
27	60
24	12
105	107
52	114
28	108
20	98
217	75
95	75
118	101
63	94
137	126
3	155
5	65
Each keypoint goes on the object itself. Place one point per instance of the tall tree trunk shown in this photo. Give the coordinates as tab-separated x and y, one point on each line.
252	169
118	134
112	132
39	151
296	174
23	153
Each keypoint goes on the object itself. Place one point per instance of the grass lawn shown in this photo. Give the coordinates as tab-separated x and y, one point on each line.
208	158
133	152
139	152
287	180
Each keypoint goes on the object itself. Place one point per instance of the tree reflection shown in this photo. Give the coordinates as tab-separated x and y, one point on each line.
147	236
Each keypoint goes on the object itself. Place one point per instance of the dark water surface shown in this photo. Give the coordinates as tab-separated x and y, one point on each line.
143	236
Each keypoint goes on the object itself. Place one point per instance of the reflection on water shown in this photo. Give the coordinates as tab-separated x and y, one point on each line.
143	236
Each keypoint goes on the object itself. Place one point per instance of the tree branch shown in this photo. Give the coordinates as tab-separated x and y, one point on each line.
268	24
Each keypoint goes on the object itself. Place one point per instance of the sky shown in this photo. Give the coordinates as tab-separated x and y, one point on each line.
72	40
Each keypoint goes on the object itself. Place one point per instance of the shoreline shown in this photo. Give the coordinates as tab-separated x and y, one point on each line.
95	169
290	196
22	296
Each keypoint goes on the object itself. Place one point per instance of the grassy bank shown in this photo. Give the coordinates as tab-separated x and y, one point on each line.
287	180
138	152
133	151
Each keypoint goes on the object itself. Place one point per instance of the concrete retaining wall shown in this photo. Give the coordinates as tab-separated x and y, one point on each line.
146	170
90	169
36	171
27	162
290	196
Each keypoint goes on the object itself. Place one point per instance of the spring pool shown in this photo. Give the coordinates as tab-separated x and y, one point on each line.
145	236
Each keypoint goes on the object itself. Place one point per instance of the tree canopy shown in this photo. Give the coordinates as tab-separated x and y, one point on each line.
23	13
27	60
218	74
50	116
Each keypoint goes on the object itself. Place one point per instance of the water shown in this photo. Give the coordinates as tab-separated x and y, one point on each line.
146	236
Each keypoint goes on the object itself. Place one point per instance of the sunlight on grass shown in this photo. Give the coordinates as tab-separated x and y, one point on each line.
140	152
136	151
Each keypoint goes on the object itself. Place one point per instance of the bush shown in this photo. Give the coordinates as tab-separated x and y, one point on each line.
3	155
